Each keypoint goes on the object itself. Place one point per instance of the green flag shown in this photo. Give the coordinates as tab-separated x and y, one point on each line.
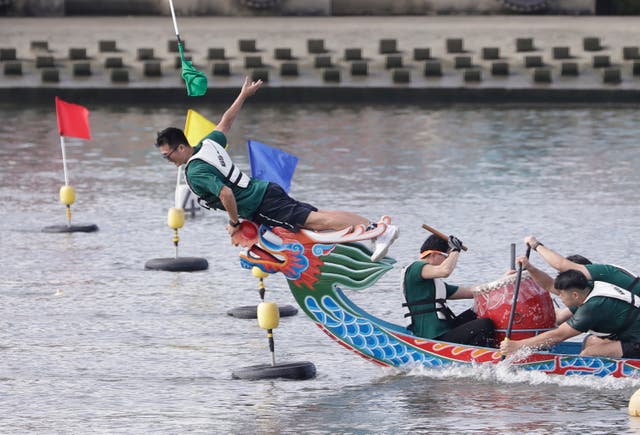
195	80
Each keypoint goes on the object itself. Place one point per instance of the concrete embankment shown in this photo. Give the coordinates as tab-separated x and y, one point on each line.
402	59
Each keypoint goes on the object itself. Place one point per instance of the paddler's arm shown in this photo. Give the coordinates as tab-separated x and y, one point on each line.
248	89
546	339
463	293
554	259
562	315
539	276
442	270
228	200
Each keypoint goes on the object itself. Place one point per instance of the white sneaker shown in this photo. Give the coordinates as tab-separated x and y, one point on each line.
383	242
271	237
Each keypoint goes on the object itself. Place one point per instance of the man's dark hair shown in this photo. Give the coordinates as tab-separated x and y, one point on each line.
435	243
171	136
571	280
579	259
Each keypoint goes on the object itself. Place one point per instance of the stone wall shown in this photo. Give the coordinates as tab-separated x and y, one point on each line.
337	59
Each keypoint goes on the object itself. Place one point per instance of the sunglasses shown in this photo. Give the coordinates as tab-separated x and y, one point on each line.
168	155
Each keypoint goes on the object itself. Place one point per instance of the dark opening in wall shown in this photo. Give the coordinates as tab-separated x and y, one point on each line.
617	7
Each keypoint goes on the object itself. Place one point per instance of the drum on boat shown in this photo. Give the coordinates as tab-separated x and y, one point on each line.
534	313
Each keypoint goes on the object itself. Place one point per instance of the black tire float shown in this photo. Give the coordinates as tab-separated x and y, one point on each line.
251	311
175	220
299	370
68	197
268	315
177	264
83	228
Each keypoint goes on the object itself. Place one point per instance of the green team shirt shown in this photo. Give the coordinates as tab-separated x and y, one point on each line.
207	181
613	275
605	315
416	288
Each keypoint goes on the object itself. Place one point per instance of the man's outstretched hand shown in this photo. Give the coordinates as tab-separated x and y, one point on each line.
249	88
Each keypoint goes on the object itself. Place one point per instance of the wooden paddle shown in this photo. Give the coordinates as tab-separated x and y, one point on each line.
515	299
439	234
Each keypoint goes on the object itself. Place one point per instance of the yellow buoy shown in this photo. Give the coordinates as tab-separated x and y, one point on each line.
175	218
258	273
268	315
67	194
634	404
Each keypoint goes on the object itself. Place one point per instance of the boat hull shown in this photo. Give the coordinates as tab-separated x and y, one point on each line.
317	270
391	345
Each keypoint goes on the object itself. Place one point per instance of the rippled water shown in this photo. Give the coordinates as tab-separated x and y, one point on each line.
90	341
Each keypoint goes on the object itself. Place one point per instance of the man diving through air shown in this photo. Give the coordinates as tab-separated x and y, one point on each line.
220	184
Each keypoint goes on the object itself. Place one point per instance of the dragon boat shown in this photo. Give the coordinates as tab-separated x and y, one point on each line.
320	266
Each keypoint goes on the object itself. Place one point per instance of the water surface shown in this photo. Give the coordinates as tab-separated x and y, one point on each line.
89	340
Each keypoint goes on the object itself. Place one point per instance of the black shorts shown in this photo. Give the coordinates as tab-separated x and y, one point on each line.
280	210
630	349
474	331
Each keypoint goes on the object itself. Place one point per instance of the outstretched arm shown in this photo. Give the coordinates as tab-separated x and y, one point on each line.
248	89
554	259
229	203
546	339
463	293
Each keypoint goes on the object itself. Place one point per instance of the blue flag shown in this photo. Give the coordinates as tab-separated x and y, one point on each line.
271	164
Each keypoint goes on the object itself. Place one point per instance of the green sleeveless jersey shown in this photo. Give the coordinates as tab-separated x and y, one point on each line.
426	325
207	181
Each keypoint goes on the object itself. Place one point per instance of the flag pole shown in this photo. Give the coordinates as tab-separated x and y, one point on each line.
178	178
73	121
67	194
175	23
176	214
64	161
195	80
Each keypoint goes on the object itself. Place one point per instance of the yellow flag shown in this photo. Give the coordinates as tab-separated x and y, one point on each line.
197	127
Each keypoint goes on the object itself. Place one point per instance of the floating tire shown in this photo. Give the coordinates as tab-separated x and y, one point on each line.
251	311
300	370
84	228
179	264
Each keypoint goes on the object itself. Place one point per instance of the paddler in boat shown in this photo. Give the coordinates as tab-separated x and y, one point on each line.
610	273
220	184
609	312
426	294
595	273
545	281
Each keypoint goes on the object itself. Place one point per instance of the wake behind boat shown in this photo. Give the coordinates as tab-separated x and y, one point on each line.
317	267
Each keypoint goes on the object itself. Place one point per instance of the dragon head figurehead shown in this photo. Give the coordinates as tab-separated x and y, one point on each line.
312	260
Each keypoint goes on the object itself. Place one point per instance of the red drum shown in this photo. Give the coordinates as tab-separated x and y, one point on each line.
535	312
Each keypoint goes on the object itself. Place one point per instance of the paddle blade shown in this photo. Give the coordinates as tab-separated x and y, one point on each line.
196	81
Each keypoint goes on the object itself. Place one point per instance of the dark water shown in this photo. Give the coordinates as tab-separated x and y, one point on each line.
90	341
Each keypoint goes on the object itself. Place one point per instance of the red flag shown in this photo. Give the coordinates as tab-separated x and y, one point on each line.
73	120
